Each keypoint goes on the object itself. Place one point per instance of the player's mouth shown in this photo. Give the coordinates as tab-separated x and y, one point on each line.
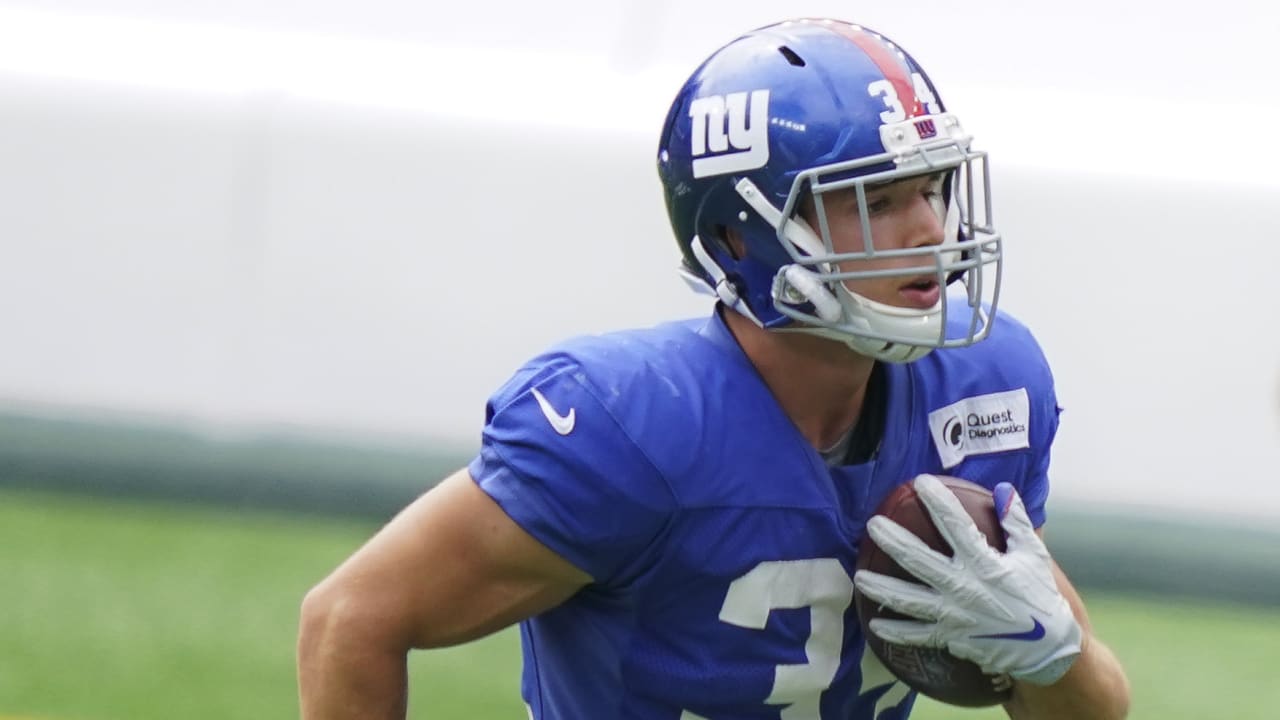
922	293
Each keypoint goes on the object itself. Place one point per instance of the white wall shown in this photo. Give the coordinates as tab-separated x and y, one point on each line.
354	219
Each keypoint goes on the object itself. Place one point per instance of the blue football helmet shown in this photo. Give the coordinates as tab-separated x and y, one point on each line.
786	113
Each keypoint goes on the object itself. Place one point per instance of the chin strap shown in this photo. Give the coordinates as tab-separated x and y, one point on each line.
804	281
723	287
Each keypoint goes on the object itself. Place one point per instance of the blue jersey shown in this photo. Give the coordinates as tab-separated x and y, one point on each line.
720	544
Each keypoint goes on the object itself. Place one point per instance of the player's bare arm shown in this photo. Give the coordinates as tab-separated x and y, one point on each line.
1095	681
450	568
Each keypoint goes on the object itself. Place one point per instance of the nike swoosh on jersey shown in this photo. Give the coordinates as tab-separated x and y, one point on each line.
1035	633
562	424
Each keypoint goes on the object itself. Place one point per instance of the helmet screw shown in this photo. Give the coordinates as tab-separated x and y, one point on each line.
742	215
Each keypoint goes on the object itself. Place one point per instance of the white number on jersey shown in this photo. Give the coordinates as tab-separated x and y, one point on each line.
822	585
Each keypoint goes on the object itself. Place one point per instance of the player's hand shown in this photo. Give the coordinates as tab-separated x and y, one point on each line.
1003	612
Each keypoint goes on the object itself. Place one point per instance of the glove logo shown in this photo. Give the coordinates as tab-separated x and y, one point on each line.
1035	633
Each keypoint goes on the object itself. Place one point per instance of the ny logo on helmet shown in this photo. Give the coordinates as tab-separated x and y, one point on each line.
720	122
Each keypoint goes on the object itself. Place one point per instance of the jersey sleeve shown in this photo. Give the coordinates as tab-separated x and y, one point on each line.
1044	417
558	462
1045	412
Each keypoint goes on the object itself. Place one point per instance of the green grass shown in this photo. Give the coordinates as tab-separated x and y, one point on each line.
123	611
133	611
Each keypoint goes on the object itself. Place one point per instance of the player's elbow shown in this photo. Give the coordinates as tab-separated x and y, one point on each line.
318	622
334	619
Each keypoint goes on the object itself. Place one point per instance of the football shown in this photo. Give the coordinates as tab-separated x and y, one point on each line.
932	671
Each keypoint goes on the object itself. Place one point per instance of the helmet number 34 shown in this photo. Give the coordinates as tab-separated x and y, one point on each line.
895	112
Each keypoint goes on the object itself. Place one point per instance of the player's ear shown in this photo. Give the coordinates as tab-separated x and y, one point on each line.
733	242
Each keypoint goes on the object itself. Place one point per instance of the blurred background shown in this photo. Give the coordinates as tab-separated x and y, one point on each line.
264	261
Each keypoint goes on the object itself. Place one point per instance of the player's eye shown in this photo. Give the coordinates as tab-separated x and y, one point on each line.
880	204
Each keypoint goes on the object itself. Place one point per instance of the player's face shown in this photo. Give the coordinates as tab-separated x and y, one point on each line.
905	214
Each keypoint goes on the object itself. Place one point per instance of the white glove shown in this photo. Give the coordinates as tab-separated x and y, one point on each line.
1003	612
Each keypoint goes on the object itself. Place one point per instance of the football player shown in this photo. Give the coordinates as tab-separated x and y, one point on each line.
672	514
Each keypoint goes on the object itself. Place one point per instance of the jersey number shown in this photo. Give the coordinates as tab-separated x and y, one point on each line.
823	586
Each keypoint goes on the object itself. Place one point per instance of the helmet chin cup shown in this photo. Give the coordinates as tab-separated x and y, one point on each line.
884	332
889	325
887	351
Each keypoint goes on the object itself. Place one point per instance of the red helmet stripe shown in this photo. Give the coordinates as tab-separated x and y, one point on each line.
894	70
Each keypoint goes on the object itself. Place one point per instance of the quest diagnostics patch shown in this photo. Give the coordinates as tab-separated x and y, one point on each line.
980	425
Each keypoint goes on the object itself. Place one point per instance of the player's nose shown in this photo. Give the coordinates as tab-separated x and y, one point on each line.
926	225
